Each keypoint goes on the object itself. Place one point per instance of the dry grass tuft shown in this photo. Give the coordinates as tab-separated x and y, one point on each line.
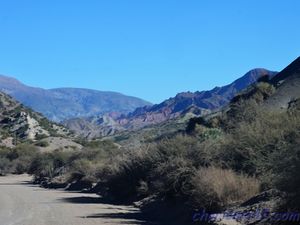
223	186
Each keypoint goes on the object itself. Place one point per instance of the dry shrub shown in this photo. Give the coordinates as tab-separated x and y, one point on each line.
249	146
82	168
125	175
164	168
216	188
286	167
172	177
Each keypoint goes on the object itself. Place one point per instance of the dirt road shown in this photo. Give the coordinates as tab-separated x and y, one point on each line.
24	204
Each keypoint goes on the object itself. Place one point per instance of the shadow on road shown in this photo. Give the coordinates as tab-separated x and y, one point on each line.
131	216
88	200
19	184
83	200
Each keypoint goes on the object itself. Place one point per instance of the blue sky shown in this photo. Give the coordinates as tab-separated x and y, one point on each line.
151	49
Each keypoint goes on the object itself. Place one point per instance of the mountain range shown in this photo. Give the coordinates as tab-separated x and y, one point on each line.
66	103
279	92
95	124
197	103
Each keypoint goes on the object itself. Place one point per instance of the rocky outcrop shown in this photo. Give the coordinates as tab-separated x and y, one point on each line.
19	124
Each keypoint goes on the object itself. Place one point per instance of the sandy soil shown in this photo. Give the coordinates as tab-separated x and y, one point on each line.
24	204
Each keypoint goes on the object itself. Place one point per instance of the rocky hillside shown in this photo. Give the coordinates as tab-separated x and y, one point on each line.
97	126
287	84
20	124
66	103
278	94
198	103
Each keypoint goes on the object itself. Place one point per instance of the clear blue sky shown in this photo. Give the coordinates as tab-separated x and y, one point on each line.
146	48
